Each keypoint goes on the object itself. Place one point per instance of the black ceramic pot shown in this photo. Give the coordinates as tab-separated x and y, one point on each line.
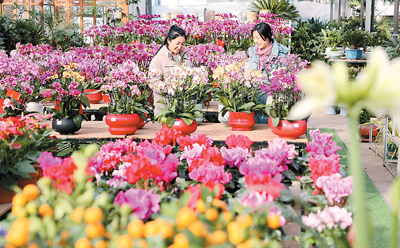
64	126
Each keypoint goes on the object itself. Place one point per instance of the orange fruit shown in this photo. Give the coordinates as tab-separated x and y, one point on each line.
227	216
19	200
150	229
200	206
45	210
33	245
219	204
245	220
95	230
17	238
76	214
212	214
21	224
101	244
83	243
166	230
219	237
197	228
180	241
93	215
235	233
185	217
31	192
274	221
124	241
17	211
135	229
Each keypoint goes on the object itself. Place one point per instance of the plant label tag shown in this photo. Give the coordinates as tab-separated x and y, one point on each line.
296	125
59	122
13	94
284	124
113	119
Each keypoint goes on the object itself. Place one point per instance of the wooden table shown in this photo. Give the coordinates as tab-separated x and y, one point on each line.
349	61
98	130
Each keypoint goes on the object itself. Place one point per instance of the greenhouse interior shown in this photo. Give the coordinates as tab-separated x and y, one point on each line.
199	123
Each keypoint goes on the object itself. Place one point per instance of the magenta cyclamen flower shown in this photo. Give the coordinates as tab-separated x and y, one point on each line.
335	187
279	151
46	159
210	173
330	217
235	156
256	199
143	203
259	165
321	144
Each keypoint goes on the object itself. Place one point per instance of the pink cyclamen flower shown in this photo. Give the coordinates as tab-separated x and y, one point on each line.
335	187
329	218
321	144
143	203
256	199
235	156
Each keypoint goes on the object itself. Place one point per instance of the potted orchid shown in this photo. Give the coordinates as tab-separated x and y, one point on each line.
128	91
182	89
237	90
285	92
67	91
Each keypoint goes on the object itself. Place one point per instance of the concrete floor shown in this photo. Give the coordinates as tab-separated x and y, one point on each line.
372	163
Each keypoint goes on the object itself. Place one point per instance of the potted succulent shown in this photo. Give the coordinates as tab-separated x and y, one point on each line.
128	94
237	91
181	90
354	40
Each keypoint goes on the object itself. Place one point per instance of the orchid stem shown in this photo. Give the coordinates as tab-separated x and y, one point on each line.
361	218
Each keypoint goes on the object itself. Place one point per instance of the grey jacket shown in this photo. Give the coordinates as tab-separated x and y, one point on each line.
277	50
164	60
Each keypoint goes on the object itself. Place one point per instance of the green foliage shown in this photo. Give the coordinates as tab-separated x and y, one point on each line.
332	37
307	39
281	8
366	115
355	39
26	31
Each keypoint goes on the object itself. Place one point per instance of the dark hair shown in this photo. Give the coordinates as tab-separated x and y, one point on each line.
264	30
173	33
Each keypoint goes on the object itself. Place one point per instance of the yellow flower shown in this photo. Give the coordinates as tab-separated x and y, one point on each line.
66	74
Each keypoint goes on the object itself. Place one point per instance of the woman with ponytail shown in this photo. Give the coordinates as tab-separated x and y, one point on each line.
171	53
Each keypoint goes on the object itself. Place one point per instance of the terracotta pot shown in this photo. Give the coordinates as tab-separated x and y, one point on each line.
365	129
22	182
124	124
95	97
240	121
289	130
5	195
179	125
141	121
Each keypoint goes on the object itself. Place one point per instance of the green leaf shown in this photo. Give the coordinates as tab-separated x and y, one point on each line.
275	121
77	119
25	166
170	121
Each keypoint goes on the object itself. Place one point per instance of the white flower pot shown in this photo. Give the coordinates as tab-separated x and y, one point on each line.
223	119
199	119
35	107
330	110
343	111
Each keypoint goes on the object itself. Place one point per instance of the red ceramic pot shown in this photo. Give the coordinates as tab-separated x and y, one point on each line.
95	97
124	124
141	121
289	130
179	125
240	121
22	182
5	195
1	106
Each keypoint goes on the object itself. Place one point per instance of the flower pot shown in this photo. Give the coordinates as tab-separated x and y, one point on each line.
223	118
94	98
353	53
365	130
5	195
36	107
199	107
22	182
124	124
289	130
179	125
1	106
64	126
240	121
141	121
